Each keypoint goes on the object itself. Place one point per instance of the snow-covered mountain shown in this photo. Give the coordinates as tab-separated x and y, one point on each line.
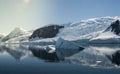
46	35
81	31
85	28
97	30
46	32
17	35
110	35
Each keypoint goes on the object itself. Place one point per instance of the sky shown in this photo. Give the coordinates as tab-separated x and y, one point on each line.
33	14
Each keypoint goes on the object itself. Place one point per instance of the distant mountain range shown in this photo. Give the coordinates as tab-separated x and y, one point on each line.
84	31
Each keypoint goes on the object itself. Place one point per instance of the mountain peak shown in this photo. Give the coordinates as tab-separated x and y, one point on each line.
15	33
18	31
114	27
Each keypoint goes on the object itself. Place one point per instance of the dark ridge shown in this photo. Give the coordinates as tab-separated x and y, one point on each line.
114	27
43	54
46	32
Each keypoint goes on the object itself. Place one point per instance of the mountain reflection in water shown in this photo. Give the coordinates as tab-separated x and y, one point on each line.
115	58
103	56
16	50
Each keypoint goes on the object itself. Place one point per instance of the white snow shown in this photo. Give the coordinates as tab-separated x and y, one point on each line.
80	32
19	39
65	44
85	27
18	35
87	31
17	32
106	37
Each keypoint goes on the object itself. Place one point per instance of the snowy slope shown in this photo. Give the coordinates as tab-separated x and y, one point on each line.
18	34
83	30
110	35
85	27
19	39
107	37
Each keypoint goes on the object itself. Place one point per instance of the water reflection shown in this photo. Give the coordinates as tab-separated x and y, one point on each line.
17	51
97	56
42	53
1	50
115	58
112	52
64	53
103	56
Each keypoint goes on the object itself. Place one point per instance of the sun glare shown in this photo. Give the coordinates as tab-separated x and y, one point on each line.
26	1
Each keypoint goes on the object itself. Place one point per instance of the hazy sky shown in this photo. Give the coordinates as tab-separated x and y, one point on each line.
32	14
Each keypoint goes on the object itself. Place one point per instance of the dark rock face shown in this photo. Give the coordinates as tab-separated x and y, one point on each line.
114	27
46	32
43	54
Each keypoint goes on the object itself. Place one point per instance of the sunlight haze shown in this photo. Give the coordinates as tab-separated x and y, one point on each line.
32	14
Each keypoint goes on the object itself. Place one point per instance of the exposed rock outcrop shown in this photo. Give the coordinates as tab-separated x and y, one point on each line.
46	32
114	27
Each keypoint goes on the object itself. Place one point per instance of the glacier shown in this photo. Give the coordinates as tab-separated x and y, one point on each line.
110	36
79	33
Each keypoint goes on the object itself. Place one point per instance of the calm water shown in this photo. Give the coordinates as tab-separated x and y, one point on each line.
93	59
